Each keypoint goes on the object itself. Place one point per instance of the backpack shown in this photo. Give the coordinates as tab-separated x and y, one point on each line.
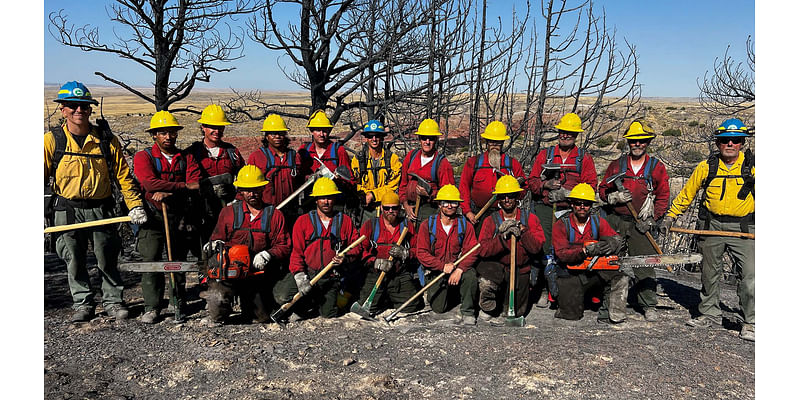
105	148
461	222
181	168
498	219
434	164
595	222
649	166
551	151
362	164
333	150
506	163
376	232
238	219
335	232
747	175
291	155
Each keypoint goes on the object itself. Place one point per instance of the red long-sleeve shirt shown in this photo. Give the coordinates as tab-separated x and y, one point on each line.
408	184
170	180
446	248
638	187
276	242
477	183
494	248
216	166
385	240
567	176
311	156
316	255
281	182
570	253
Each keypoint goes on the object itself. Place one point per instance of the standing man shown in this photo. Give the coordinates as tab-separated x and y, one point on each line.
280	165
494	269
376	169
383	232
570	236
428	165
316	238
321	150
727	183
262	229
216	158
82	187
442	238
567	165
167	176
481	172
647	189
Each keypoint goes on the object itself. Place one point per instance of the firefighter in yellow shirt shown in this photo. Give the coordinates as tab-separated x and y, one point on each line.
377	170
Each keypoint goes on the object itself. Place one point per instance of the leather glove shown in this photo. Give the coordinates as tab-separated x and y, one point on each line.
212	246
383	264
665	225
515	230
505	226
138	216
303	285
622	197
558	195
261	260
598	249
398	252
552	184
221	190
645	225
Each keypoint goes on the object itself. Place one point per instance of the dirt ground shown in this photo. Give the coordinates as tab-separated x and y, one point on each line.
420	356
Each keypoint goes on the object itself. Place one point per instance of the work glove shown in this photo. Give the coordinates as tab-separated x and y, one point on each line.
507	227
325	172
600	248
645	225
398	252
620	197
552	184
666	224
616	242
261	260
647	210
558	195
222	191
383	264
138	216
212	246
303	285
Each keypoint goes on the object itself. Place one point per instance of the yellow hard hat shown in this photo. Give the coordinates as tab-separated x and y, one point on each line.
507	184
428	127
274	123
570	122
250	176
448	193
639	130
324	187
163	119
213	115
390	198
582	191
496	130
319	120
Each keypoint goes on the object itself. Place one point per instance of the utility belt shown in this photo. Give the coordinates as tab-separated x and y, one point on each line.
705	216
64	204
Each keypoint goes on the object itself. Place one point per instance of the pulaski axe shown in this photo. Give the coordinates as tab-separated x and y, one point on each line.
363	310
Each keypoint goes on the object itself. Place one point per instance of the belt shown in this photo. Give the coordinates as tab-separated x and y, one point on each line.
83	203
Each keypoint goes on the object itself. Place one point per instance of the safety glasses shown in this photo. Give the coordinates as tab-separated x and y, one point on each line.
370	136
76	105
427	139
734	140
507	196
450	204
583	204
390	208
638	141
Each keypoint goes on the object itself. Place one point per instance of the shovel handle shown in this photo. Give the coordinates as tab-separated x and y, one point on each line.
295	193
486	206
714	233
511	280
99	222
169	258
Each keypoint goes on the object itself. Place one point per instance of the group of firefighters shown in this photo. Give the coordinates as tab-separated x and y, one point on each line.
416	223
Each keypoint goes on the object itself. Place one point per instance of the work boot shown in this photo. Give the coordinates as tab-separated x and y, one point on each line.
150	317
117	311
650	315
484	316
468	320
488	294
748	332
83	314
543	301
705	321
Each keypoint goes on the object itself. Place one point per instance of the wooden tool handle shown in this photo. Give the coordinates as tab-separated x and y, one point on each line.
99	222
166	230
339	254
486	206
714	233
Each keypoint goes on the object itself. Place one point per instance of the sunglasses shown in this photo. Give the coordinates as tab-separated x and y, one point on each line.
76	105
507	196
368	136
734	140
390	208
584	204
638	141
427	139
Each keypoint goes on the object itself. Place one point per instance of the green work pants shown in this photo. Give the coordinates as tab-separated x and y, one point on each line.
442	296
545	215
572	290
638	245
742	252
498	274
396	288
321	300
254	293
72	246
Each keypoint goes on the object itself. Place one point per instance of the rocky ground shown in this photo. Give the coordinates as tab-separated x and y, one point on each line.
420	356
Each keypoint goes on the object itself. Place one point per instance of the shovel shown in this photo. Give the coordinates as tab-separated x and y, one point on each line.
99	222
178	316
511	320
277	316
426	287
363	310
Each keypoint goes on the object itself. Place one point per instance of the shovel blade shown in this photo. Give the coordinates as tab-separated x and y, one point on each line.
515	321
277	316
362	311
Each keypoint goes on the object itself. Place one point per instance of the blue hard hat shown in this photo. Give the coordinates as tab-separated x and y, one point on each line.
374	126
732	127
75	91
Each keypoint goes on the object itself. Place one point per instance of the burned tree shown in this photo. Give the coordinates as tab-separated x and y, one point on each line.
165	37
731	87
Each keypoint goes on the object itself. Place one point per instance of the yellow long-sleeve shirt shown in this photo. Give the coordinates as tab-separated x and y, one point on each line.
721	193
86	178
388	179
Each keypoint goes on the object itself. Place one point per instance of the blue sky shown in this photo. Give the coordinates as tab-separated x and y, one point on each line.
676	42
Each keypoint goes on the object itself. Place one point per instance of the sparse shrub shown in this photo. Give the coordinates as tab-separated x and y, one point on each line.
604	141
683	108
672	132
694	123
622	145
702	126
693	156
671	108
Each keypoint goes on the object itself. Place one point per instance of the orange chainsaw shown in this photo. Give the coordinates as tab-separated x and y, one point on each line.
627	264
230	263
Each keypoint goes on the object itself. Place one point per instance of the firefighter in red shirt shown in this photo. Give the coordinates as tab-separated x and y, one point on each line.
280	165
429	165
568	166
442	237
262	229
647	189
383	232
216	157
570	234
172	177
494	268
481	172
317	236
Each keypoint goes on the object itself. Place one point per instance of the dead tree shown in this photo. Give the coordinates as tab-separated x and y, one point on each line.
165	37
731	87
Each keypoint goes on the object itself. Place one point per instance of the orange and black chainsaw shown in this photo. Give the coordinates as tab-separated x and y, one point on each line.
231	263
627	264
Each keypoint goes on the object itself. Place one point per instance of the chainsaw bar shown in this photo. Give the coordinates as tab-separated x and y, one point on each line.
160	266
658	260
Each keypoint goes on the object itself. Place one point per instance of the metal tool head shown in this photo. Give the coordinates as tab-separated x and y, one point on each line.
616	179
515	321
422	182
277	317
362	311
552	166
343	172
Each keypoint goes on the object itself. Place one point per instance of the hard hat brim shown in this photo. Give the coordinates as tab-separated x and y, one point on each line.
490	137
76	100
582	198
275	130
428	134
163	126
217	123
732	134
325	194
568	130
249	185
508	191
319	126
645	136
